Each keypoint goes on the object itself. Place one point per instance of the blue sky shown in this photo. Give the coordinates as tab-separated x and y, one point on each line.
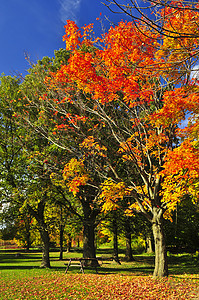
37	26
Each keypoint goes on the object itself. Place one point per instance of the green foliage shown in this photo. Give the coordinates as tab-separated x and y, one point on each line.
11	135
183	233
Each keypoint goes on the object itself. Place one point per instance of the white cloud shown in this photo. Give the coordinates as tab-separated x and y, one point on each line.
69	10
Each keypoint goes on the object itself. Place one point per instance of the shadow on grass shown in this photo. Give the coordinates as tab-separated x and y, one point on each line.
139	270
106	271
143	264
31	267
105	251
11	258
183	264
18	267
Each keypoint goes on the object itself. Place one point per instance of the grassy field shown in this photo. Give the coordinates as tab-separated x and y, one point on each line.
22	278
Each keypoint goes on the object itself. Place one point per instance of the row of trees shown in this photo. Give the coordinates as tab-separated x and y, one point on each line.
96	128
115	231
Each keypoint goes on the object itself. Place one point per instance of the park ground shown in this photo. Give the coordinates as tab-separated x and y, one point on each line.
22	278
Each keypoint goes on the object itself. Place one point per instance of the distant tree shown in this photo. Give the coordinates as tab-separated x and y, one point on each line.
11	135
8	228
24	228
182	232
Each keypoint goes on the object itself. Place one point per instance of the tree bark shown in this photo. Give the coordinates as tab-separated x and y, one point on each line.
45	247
38	214
27	221
61	235
149	244
89	219
128	255
161	264
28	242
69	243
89	239
115	242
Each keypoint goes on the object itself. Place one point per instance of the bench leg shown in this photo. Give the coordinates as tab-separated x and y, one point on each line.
68	267
82	267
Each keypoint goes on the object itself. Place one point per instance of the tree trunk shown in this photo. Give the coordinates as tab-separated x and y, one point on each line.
27	222
69	243
128	255
89	219
161	265
115	242
28	242
89	242
39	216
149	244
89	239
61	235
90	212
45	247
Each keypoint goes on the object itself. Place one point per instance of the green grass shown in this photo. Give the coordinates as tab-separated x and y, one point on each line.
22	278
20	262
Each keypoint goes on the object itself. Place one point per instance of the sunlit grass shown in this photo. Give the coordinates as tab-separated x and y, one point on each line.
22	278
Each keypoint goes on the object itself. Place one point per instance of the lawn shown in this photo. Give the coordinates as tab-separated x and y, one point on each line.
22	278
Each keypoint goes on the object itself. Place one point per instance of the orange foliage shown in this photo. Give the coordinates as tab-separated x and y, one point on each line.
124	75
180	45
72	36
120	65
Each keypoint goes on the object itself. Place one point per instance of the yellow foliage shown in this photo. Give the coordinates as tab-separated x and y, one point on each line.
75	175
93	147
56	180
111	192
181	173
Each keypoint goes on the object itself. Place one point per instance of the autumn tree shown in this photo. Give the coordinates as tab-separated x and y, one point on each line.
120	86
180	57
115	80
45	112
